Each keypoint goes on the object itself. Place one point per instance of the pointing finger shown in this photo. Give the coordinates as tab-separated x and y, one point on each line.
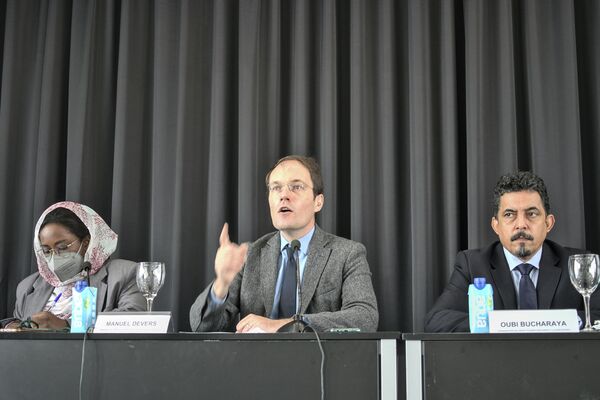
224	237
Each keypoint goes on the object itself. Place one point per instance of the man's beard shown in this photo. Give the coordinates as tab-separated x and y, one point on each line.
522	251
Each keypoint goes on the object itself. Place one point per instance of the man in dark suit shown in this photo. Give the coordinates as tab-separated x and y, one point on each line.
255	285
522	262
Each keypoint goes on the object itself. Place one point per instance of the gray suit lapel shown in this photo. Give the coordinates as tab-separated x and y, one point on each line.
318	255
98	281
37	299
269	266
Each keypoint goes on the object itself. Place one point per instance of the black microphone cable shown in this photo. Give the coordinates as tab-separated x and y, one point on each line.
295	244
86	267
322	360
85	334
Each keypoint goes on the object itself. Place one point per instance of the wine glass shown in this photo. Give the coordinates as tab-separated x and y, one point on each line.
584	271
150	278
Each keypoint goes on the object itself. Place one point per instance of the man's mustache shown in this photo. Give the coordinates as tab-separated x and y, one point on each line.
521	235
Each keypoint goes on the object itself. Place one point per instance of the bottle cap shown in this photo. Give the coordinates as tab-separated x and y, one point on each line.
479	283
80	285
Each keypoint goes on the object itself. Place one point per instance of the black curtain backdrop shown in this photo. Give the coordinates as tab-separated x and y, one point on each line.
164	116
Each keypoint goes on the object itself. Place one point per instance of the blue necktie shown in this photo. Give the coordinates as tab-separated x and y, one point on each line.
527	293
287	301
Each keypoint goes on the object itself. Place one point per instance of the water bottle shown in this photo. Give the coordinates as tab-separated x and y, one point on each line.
481	302
83	314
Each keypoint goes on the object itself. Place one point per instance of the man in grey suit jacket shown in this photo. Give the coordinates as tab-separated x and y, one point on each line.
246	295
522	220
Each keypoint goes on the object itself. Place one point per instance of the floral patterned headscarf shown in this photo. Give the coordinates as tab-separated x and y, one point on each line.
103	242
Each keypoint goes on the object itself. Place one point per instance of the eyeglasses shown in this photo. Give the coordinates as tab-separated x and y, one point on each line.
58	249
295	187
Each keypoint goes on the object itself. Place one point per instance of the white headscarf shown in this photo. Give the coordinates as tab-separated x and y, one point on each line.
103	242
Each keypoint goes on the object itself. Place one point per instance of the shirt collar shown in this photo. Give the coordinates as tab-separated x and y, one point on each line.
304	241
514	261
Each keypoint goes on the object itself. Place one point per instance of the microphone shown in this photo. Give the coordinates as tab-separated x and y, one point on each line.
86	267
297	325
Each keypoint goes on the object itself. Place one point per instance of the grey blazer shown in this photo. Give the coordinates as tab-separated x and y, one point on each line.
117	290
336	287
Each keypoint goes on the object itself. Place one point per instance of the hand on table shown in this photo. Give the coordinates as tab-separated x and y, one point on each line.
251	323
47	320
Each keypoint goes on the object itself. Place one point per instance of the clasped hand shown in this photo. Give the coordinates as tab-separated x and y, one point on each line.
42	320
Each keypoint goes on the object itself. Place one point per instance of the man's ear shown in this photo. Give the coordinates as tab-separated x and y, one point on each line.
494	223
549	222
319	201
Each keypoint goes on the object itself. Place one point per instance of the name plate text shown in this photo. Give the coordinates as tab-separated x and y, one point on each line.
133	322
523	321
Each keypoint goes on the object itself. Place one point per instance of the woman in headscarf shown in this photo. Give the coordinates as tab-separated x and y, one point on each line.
71	239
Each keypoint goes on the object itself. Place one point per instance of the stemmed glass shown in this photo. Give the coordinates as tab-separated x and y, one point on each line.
150	278
584	271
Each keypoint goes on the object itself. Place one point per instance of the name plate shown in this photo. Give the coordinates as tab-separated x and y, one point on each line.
523	321
133	322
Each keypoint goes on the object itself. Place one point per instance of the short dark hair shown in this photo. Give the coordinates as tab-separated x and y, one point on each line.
69	220
520	181
311	165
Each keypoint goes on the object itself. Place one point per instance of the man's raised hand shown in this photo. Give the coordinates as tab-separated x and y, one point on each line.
229	261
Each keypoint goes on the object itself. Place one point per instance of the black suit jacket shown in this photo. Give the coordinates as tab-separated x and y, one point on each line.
450	313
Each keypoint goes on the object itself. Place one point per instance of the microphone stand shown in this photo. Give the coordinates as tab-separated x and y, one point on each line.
86	267
297	325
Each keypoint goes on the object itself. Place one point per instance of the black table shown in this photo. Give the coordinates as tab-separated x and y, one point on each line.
503	366
208	366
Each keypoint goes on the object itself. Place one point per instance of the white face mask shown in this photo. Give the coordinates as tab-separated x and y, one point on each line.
66	265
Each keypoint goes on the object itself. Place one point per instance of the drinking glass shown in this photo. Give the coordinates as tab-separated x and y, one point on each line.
150	277
584	271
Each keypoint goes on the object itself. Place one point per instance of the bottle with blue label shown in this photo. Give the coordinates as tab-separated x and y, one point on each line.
481	302
83	314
